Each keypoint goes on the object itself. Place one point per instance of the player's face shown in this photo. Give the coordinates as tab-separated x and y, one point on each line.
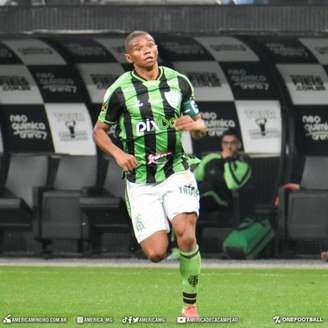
142	51
230	145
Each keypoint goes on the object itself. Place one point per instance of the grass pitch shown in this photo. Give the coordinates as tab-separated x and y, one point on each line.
253	295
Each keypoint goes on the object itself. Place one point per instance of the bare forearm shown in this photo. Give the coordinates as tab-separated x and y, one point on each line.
195	125
105	143
126	161
199	130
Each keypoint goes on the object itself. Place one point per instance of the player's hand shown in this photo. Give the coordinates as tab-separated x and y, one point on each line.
185	123
126	161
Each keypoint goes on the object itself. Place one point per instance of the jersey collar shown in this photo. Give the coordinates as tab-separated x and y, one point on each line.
137	76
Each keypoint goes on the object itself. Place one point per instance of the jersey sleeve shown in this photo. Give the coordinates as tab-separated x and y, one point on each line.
188	103
111	108
237	172
203	165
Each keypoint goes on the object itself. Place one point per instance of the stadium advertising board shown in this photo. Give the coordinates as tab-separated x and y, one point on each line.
35	52
115	46
312	130
260	123
180	48
17	86
7	56
318	47
307	84
98	77
57	83
26	129
286	50
85	50
228	49
218	116
71	129
208	80
249	81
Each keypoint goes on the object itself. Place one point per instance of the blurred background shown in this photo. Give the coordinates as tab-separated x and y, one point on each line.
258	66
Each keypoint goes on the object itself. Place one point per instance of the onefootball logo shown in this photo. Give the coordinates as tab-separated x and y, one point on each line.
276	319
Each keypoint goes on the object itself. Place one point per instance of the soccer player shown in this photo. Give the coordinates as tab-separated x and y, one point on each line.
151	106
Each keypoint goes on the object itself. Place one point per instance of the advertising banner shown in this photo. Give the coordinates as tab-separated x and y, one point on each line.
318	47
85	50
260	123
228	49
218	117
71	129
17	86
249	81
312	130
306	84
26	129
7	56
98	77
35	52
181	48
115	46
208	80
286	50
58	84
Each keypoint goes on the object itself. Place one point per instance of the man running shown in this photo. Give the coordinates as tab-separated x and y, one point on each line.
151	106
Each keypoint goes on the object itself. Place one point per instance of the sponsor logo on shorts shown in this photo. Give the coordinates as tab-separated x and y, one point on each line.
189	190
138	223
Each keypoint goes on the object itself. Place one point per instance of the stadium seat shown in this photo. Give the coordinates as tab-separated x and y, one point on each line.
17	206
302	214
59	212
104	205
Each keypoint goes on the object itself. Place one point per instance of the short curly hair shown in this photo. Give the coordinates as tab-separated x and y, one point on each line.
134	35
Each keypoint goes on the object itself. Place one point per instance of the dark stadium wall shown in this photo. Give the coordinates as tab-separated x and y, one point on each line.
51	89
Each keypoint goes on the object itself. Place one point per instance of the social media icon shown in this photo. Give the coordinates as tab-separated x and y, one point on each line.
181	320
79	320
7	319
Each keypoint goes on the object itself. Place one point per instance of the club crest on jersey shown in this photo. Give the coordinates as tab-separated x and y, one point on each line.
173	98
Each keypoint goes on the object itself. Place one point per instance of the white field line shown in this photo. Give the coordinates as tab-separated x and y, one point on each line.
133	263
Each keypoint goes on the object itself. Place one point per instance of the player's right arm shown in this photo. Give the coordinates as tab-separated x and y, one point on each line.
110	113
100	135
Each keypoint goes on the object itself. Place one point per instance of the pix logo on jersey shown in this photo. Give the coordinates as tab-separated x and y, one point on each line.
151	125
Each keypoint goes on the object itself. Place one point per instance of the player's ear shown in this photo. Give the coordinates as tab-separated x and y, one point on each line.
128	58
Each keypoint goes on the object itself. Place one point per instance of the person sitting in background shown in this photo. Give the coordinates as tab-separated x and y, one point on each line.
218	174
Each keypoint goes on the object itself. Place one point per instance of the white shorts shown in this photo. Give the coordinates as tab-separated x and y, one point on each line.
151	205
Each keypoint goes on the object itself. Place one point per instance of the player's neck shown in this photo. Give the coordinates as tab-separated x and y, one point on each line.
148	73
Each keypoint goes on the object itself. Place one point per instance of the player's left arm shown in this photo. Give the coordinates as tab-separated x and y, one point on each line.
194	124
191	119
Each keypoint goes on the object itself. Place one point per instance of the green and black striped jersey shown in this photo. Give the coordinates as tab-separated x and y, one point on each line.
144	112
